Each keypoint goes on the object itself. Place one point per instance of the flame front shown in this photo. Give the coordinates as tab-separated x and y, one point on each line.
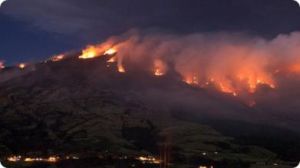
90	52
93	51
234	68
121	69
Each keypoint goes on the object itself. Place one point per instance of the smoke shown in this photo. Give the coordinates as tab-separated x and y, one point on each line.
262	74
231	63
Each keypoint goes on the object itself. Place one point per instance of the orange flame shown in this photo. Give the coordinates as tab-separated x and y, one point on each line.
121	68
90	52
112	60
57	58
159	67
192	80
295	68
110	51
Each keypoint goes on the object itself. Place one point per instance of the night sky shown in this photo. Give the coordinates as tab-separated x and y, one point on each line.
31	30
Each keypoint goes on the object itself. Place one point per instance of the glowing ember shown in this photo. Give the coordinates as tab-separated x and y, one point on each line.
94	51
192	80
121	69
57	58
157	72
112	60
22	66
227	89
110	51
159	68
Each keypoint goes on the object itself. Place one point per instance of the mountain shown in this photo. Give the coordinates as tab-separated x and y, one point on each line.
86	107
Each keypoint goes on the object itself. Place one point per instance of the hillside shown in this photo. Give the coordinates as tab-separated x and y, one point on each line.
86	107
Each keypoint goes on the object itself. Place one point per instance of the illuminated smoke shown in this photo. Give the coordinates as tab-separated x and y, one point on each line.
228	63
159	67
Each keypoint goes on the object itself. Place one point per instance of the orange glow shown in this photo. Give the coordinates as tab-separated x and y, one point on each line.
90	52
294	68
110	51
253	80
159	68
57	58
226	88
121	69
192	80
112	60
93	51
22	66
157	72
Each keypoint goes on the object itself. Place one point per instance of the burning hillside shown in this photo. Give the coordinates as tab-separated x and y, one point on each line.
227	63
138	92
231	65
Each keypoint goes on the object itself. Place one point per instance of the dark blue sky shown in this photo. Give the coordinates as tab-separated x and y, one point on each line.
36	29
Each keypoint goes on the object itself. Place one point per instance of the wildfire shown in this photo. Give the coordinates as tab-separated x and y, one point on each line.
121	69
192	80
157	72
227	88
97	51
231	86
112	59
90	52
110	51
237	69
159	67
295	68
57	58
